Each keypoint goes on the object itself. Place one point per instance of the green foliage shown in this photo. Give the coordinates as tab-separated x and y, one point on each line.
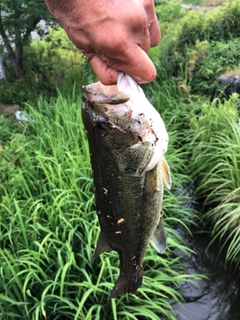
215	168
49	228
206	138
217	58
48	65
168	10
20	17
194	2
200	45
17	19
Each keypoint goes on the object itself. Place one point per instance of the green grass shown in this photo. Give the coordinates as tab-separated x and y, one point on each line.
206	139
48	226
215	168
192	42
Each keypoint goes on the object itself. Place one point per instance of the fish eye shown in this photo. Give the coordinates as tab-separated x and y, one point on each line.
101	122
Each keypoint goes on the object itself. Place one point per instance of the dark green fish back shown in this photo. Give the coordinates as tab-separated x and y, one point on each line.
128	201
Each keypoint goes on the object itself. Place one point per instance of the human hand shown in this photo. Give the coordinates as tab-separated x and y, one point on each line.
113	35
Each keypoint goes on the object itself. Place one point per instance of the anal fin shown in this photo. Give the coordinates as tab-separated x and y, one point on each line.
102	246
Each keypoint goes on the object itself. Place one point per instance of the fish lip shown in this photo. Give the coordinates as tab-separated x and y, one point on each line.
99	87
87	89
98	93
84	89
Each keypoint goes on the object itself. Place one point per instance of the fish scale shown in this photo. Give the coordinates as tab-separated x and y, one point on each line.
128	195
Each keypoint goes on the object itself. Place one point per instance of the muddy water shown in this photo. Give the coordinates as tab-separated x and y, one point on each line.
215	298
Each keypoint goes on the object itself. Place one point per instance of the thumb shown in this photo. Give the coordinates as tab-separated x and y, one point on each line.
137	65
140	67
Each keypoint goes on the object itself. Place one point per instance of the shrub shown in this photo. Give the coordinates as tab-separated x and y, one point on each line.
217	58
48	64
200	45
168	10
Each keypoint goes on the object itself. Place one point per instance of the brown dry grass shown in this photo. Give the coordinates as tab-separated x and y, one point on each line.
231	73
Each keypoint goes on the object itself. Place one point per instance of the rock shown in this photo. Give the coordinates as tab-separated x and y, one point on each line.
226	86
8	109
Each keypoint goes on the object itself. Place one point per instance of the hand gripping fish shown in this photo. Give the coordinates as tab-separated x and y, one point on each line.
127	140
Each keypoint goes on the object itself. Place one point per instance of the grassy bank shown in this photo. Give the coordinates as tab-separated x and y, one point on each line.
208	135
197	47
48	226
215	167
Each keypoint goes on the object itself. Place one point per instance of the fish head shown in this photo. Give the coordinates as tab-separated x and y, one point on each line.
103	99
127	124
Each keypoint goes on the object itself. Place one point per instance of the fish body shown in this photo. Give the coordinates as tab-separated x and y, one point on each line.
127	140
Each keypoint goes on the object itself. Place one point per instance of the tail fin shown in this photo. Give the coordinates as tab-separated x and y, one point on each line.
127	284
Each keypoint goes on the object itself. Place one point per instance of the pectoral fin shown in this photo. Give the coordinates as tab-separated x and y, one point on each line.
166	173
102	246
159	240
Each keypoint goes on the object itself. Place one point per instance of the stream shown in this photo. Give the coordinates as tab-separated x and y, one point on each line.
214	298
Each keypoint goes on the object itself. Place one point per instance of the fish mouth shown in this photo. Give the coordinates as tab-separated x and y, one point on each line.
101	94
125	84
99	87
125	89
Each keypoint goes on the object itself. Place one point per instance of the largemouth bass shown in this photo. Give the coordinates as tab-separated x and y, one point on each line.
127	140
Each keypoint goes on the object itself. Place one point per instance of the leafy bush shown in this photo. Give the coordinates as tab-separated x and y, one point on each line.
168	10
205	67
200	45
48	64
